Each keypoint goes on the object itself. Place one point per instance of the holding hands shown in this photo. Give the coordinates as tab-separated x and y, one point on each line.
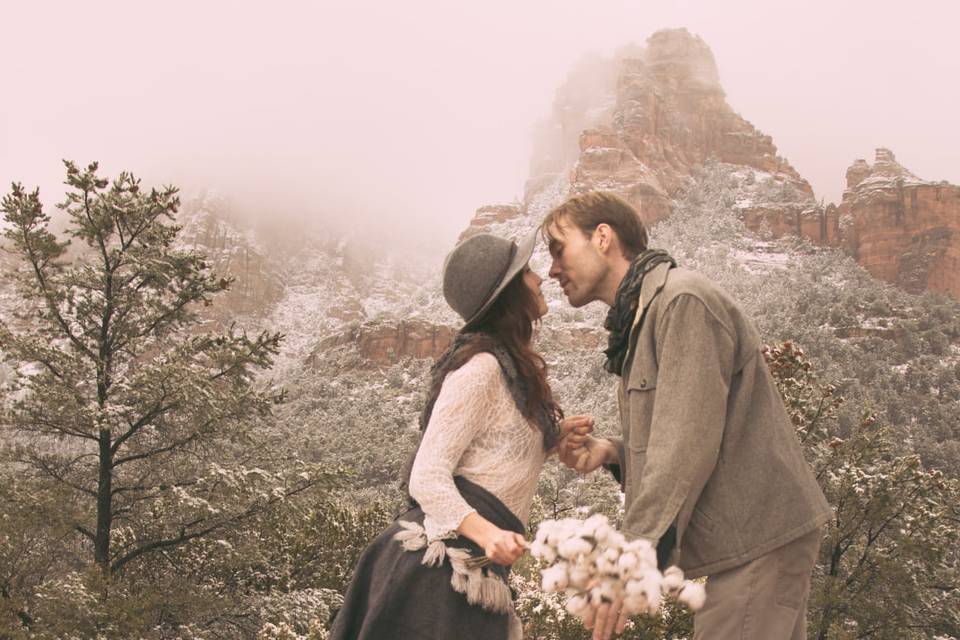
574	432
581	451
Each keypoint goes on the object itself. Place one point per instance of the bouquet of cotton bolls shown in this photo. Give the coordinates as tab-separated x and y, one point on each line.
591	563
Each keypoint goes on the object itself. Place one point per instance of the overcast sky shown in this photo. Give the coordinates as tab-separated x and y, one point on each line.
407	116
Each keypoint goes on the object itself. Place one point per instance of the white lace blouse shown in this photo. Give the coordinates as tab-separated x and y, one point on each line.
475	431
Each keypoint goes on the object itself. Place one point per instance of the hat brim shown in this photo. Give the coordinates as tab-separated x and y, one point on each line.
519	261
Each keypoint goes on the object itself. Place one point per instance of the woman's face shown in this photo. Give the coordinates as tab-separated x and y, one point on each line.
532	280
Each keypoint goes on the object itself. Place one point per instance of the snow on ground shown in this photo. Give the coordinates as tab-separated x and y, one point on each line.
764	257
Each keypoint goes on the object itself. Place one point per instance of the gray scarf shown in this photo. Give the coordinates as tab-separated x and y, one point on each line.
621	314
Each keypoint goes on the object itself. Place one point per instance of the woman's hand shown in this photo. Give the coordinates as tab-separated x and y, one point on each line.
592	454
504	547
501	546
574	432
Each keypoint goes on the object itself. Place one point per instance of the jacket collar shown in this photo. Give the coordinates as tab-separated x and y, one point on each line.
653	282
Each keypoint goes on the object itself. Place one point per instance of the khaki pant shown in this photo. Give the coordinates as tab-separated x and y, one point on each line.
765	599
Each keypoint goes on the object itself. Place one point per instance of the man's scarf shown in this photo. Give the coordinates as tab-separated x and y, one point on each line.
624	309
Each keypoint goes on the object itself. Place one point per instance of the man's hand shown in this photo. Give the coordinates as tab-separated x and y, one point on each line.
609	617
592	454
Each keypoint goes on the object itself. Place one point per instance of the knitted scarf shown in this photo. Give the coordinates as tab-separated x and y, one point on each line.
624	309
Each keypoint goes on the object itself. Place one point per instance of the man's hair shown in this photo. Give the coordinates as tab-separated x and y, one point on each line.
590	210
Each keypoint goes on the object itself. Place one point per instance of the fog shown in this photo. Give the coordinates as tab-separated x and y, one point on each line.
398	120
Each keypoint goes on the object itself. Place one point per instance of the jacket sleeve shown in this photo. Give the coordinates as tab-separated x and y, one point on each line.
466	405
616	469
695	361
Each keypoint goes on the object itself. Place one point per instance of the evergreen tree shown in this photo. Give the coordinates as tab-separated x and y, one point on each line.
889	565
144	425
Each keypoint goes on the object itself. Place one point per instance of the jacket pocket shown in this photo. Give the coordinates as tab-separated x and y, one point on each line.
640	395
703	522
643	375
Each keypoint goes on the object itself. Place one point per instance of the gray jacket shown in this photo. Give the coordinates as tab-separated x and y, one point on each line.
707	444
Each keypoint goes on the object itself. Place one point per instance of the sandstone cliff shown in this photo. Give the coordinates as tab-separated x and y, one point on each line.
663	113
640	123
900	228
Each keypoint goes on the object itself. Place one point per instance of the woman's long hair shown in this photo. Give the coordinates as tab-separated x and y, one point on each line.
509	322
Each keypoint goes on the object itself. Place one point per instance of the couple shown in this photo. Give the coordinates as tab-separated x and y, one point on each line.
709	462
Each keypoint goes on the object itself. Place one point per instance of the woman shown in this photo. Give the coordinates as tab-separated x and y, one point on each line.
440	571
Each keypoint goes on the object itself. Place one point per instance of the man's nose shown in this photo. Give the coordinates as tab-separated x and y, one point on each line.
554	269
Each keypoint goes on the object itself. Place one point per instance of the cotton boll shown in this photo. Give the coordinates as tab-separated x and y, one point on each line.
609	589
649	558
634	604
693	595
573	547
552	532
542	534
651	589
616	539
555	578
605	566
602	533
591	524
645	551
543	551
580	575
596	596
577	605
640	545
672	580
627	562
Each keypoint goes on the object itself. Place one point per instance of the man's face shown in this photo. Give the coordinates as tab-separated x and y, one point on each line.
577	264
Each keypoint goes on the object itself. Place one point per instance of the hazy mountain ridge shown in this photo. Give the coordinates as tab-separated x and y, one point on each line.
352	313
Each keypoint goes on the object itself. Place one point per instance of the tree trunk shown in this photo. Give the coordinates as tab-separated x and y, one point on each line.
826	616
104	503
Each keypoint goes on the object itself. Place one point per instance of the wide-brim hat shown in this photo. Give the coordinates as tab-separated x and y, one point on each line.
477	271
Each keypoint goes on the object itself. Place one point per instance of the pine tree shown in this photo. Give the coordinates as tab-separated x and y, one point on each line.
146	425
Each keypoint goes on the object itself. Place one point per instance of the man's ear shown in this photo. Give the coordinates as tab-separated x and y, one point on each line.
603	238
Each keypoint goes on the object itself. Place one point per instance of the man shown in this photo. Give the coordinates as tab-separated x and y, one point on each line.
709	461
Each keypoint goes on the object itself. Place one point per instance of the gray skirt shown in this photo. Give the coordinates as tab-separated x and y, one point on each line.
403	588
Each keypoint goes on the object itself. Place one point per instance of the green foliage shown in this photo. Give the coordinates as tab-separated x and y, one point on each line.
132	438
889	562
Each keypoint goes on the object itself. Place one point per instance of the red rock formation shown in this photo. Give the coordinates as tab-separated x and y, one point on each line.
670	116
644	135
902	229
383	343
390	342
820	225
488	215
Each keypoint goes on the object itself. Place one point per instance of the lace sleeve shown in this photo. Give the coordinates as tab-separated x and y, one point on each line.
466	405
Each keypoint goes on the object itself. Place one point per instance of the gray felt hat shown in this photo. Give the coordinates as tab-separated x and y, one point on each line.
479	269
